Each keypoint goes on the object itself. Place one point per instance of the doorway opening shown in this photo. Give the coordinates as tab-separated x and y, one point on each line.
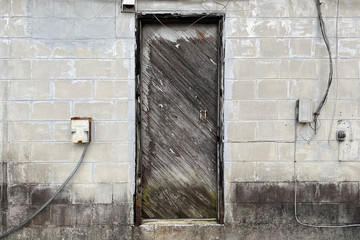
179	89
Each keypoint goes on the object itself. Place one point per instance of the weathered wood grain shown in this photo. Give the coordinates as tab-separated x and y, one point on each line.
179	77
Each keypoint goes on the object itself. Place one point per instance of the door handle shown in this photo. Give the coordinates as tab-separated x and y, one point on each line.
202	115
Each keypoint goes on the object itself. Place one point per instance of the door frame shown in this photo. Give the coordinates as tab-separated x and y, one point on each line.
191	19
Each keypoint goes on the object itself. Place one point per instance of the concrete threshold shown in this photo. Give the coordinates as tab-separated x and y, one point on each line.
207	221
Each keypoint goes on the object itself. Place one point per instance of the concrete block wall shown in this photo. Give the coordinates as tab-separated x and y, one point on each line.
60	59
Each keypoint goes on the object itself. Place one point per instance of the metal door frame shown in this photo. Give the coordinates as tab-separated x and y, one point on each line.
191	19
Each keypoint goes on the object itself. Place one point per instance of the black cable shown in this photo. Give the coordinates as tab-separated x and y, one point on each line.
326	40
23	223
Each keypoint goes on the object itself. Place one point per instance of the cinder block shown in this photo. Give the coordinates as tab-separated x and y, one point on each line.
67	9
111	89
51	111
240	90
19	69
122	110
17	111
111	131
5	48
275	131
273	48
349	171
286	152
22	131
84	215
15	27
349	9
121	193
298	69
112	214
41	151
242	172
96	110
62	131
30	90
286	109
257	27
347	109
125	25
48	28
302	27
73	89
111	172
30	173
320	49
62	215
50	151
317	171
5	8
239	48
40	8
94	28
348	27
18	194
92	193
274	171
254	151
254	68
328	9
63	170
22	48
301	47
20	8
348	48
272	8
93	69
320	151
3	27
256	110
122	48
99	152
105	69
123	152
302	88
240	131
19	152
272	89
51	69
15	69
297	9
16	214
348	68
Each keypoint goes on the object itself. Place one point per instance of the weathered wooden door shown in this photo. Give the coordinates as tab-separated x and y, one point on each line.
179	120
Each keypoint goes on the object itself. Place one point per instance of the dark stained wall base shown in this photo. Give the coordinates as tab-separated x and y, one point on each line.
256	211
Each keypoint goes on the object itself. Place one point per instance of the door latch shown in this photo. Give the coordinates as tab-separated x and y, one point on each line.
202	116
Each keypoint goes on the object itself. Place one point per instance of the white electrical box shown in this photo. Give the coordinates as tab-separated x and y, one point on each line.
305	114
128	6
80	129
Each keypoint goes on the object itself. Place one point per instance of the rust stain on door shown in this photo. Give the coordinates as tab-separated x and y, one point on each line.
179	79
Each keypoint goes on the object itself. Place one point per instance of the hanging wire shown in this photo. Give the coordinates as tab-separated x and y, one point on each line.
196	21
93	17
180	29
336	70
326	40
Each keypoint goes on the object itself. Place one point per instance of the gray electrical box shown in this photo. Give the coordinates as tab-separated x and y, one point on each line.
305	113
